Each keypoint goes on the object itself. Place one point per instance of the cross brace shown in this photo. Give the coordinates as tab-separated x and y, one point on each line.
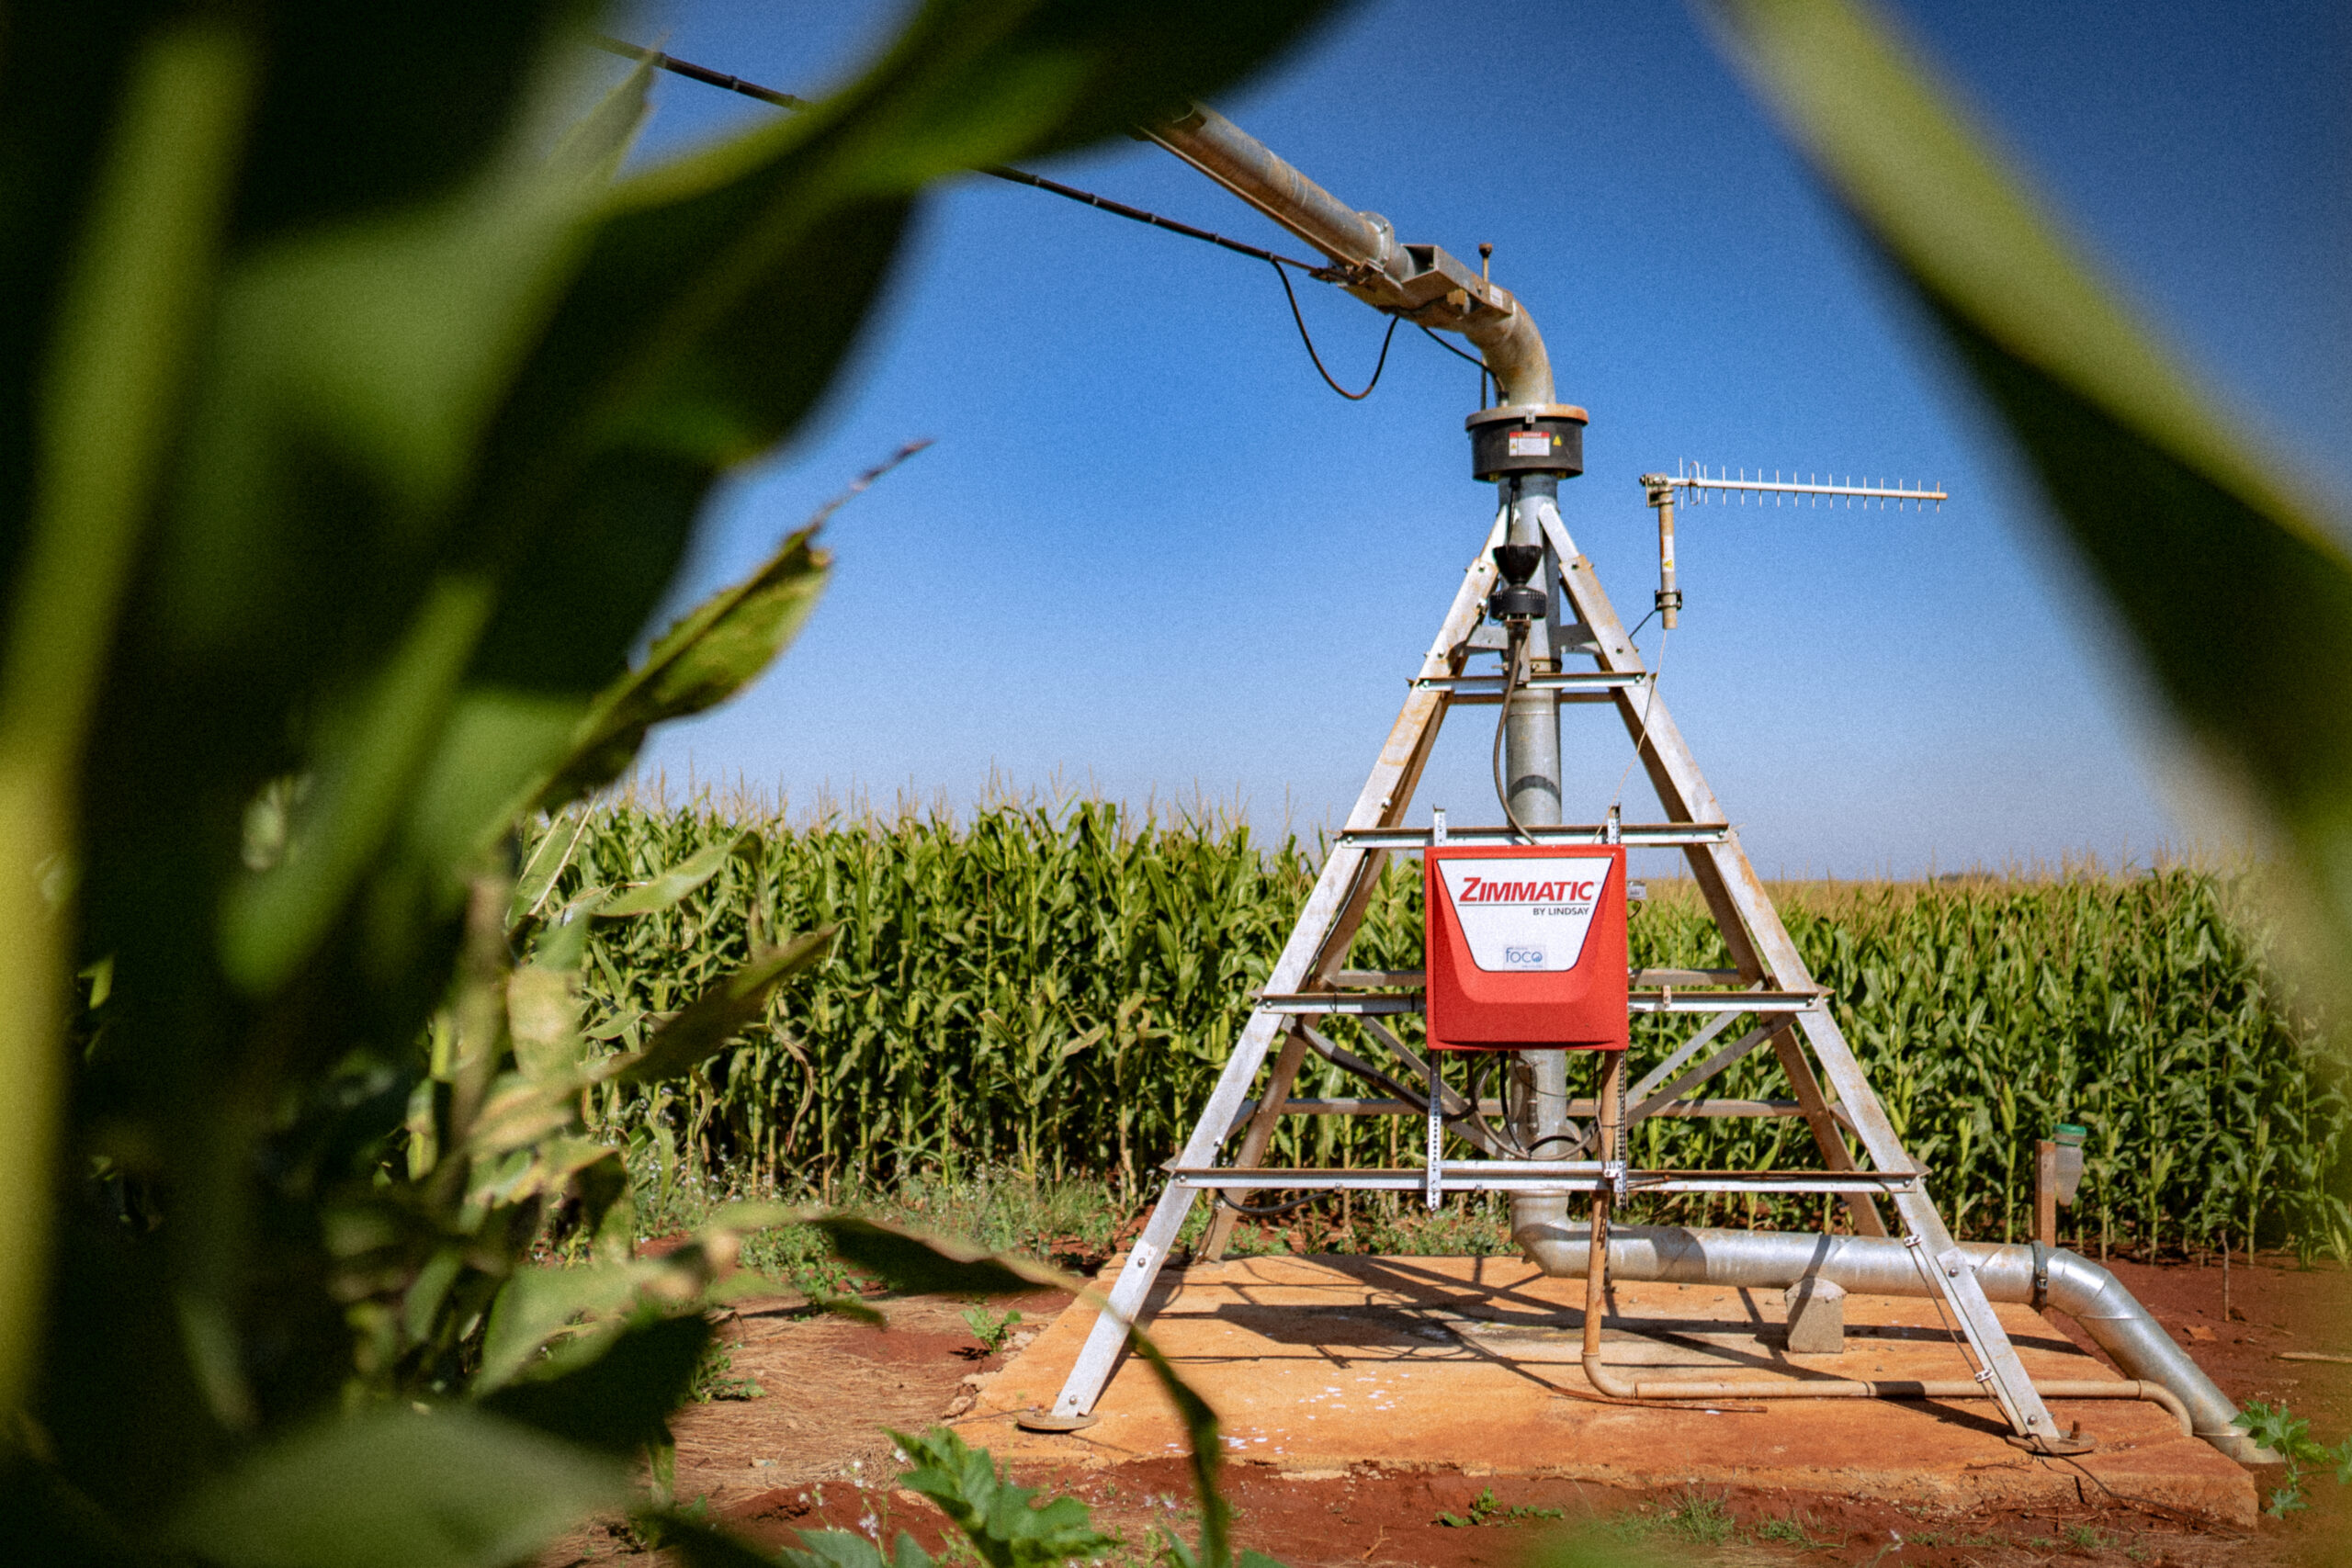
1796	1015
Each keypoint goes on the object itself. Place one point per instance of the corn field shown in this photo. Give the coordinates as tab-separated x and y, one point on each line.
1053	990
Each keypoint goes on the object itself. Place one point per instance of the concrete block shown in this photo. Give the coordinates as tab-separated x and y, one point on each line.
1473	1365
1816	1317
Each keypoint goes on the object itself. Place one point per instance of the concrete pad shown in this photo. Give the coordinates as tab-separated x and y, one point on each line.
1326	1363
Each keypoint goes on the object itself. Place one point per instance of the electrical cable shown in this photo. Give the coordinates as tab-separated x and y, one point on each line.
1518	635
703	73
1466	358
1356	1066
1506	1136
1292	295
1136	214
720	79
1265	1210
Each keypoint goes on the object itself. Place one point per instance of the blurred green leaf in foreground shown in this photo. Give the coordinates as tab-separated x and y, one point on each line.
354	418
2231	578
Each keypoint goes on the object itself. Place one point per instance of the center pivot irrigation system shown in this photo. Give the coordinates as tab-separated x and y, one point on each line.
1525	957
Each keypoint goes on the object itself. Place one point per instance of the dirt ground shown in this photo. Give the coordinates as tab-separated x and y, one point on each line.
811	1452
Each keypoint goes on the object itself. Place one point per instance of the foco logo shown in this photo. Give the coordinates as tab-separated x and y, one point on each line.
1479	890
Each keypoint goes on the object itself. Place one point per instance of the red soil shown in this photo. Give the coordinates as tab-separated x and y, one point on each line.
811	1454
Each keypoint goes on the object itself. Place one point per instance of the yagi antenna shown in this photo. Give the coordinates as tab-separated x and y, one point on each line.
1700	487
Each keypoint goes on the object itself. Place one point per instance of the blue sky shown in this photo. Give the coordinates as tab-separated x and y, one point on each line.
1152	557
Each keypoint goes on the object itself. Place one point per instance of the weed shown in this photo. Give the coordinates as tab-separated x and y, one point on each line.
1795	1529
1698	1519
2086	1536
715	1377
2289	1435
1485	1509
991	1329
655	1528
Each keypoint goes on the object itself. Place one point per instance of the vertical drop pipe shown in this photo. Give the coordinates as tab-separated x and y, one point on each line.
1532	778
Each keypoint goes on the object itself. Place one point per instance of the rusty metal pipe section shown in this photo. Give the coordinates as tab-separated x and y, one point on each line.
1421	283
1882	1266
1250	170
1730	1389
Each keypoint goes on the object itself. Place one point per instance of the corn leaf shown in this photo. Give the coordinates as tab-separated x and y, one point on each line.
925	1264
715	1017
621	1401
537	1305
712	651
546	861
393	1488
672	885
132	301
543	1019
1207	1457
2232	584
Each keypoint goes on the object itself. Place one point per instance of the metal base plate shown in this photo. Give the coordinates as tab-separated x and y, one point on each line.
1034	1420
2070	1444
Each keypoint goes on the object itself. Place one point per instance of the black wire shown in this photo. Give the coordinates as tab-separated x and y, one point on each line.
1511	684
1262	1210
709	77
704	74
1469	358
1356	1066
1121	210
1292	295
1506	1135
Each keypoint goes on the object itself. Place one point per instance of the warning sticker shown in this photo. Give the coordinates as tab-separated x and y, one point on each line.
1525	913
1530	444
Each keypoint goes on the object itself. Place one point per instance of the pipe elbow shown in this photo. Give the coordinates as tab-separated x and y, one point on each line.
2094	1297
2083	1290
1597	1372
1514	351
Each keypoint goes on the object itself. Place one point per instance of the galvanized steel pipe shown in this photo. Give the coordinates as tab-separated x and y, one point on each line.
1531	775
1417	282
1247	167
1882	1266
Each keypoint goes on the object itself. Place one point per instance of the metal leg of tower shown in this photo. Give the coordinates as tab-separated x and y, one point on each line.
1318	942
1260	1132
1752	925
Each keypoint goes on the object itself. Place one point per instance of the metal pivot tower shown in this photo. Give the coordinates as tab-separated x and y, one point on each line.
1771	985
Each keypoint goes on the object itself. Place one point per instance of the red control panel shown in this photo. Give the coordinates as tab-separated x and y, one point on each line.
1525	947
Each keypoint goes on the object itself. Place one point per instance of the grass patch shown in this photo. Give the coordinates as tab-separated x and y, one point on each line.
1485	1509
